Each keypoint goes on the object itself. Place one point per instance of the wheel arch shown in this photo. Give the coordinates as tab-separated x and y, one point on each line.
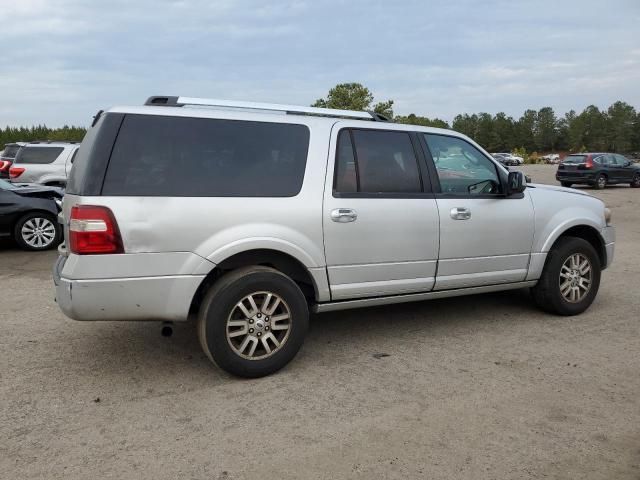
20	215
312	286
588	233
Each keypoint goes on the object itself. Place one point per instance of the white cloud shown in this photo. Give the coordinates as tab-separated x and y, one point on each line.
64	59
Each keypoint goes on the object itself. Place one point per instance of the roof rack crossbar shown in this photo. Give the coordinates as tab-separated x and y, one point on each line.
272	107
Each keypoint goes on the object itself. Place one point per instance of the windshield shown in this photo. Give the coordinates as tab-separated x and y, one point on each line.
4	185
575	159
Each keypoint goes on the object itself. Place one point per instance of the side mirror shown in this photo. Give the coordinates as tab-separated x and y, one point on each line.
515	183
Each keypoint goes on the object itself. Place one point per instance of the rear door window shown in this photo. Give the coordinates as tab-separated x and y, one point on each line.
38	155
178	156
376	161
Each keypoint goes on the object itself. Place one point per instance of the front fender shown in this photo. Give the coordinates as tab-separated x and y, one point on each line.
554	230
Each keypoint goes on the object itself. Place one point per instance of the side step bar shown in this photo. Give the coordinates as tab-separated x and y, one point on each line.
416	297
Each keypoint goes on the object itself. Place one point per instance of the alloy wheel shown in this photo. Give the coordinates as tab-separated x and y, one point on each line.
575	278
258	325
38	232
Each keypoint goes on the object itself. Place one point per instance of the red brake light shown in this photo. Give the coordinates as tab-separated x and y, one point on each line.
93	230
3	164
588	163
15	172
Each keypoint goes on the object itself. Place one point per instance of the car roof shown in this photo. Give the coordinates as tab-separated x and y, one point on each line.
588	153
51	144
234	114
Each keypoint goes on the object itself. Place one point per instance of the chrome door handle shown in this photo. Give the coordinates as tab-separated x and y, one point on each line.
460	213
343	215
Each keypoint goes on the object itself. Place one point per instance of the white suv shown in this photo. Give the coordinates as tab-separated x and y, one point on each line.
46	163
249	216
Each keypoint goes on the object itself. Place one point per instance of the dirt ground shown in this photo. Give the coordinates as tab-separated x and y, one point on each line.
472	388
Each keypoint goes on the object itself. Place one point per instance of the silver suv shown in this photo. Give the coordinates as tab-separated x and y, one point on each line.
46	163
249	216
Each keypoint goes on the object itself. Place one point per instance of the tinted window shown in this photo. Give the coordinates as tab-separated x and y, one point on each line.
346	178
573	159
621	160
10	151
384	163
462	168
175	156
90	162
38	154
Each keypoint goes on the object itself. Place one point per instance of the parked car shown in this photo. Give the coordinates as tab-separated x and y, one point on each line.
7	156
251	215
508	159
598	170
46	163
552	158
501	158
28	214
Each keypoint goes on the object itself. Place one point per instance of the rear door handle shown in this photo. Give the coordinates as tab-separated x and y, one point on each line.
460	213
343	215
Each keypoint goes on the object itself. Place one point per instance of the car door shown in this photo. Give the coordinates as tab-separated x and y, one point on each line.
485	237
380	218
624	171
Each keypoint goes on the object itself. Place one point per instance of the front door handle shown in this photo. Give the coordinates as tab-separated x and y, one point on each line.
343	215
460	213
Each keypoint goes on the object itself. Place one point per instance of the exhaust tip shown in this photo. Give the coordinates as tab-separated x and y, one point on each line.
167	329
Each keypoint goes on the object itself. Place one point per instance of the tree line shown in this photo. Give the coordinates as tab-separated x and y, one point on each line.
615	129
41	133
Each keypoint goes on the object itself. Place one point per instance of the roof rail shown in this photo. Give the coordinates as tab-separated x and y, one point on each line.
167	101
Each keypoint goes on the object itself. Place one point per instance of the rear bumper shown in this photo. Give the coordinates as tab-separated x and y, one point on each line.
575	177
166	298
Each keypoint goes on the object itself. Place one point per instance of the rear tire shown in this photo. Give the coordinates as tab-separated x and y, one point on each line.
253	321
566	184
37	231
635	183
600	182
559	279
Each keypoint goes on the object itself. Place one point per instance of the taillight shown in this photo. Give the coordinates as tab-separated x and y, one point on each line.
93	230
15	172
3	164
588	163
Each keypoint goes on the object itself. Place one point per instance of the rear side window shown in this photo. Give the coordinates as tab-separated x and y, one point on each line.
38	155
376	161
176	156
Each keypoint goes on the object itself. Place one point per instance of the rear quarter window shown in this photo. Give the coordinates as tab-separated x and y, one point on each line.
10	151
38	155
178	156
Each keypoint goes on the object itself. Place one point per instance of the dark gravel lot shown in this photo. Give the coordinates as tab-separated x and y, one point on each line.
475	387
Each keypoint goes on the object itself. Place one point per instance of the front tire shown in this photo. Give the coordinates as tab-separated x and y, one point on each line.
37	231
570	278
253	321
566	184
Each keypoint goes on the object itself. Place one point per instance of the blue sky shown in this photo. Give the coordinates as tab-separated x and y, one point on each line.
62	60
